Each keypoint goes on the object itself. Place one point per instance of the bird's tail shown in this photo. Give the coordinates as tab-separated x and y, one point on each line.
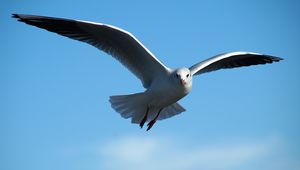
134	106
130	106
171	111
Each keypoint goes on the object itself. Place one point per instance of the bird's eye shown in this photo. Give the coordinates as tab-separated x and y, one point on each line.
187	75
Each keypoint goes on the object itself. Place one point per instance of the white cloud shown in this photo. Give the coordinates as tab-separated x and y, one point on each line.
131	150
135	153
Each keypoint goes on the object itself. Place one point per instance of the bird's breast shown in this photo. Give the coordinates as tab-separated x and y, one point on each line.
165	93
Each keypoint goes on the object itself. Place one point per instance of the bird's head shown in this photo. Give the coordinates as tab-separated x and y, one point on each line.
183	77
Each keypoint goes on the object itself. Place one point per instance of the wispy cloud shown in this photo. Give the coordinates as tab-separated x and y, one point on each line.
133	152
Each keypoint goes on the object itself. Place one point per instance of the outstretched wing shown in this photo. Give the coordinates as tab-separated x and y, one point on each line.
119	43
231	60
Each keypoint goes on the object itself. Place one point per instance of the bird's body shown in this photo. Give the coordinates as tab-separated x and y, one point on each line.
163	92
164	86
167	86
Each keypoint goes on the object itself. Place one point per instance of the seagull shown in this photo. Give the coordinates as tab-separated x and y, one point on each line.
164	86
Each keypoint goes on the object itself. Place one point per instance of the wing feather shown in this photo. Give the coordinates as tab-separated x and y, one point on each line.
232	60
119	43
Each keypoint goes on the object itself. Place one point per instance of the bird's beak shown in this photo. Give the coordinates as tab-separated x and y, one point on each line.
182	81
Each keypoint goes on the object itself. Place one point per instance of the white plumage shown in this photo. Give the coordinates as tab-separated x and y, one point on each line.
164	86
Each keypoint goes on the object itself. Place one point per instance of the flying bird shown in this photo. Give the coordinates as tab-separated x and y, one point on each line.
164	86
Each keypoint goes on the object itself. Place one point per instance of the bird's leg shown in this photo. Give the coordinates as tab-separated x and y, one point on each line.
145	118
151	123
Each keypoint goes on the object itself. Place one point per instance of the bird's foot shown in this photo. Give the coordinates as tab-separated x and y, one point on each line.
150	124
144	119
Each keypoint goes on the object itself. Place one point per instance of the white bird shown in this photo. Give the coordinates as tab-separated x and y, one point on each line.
164	86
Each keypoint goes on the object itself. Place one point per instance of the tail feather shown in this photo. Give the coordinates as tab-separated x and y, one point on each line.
170	111
130	106
134	106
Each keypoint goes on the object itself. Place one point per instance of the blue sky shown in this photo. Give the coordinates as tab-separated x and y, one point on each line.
55	114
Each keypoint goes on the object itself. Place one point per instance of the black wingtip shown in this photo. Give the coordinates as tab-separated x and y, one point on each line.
272	58
18	17
279	58
15	16
275	59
